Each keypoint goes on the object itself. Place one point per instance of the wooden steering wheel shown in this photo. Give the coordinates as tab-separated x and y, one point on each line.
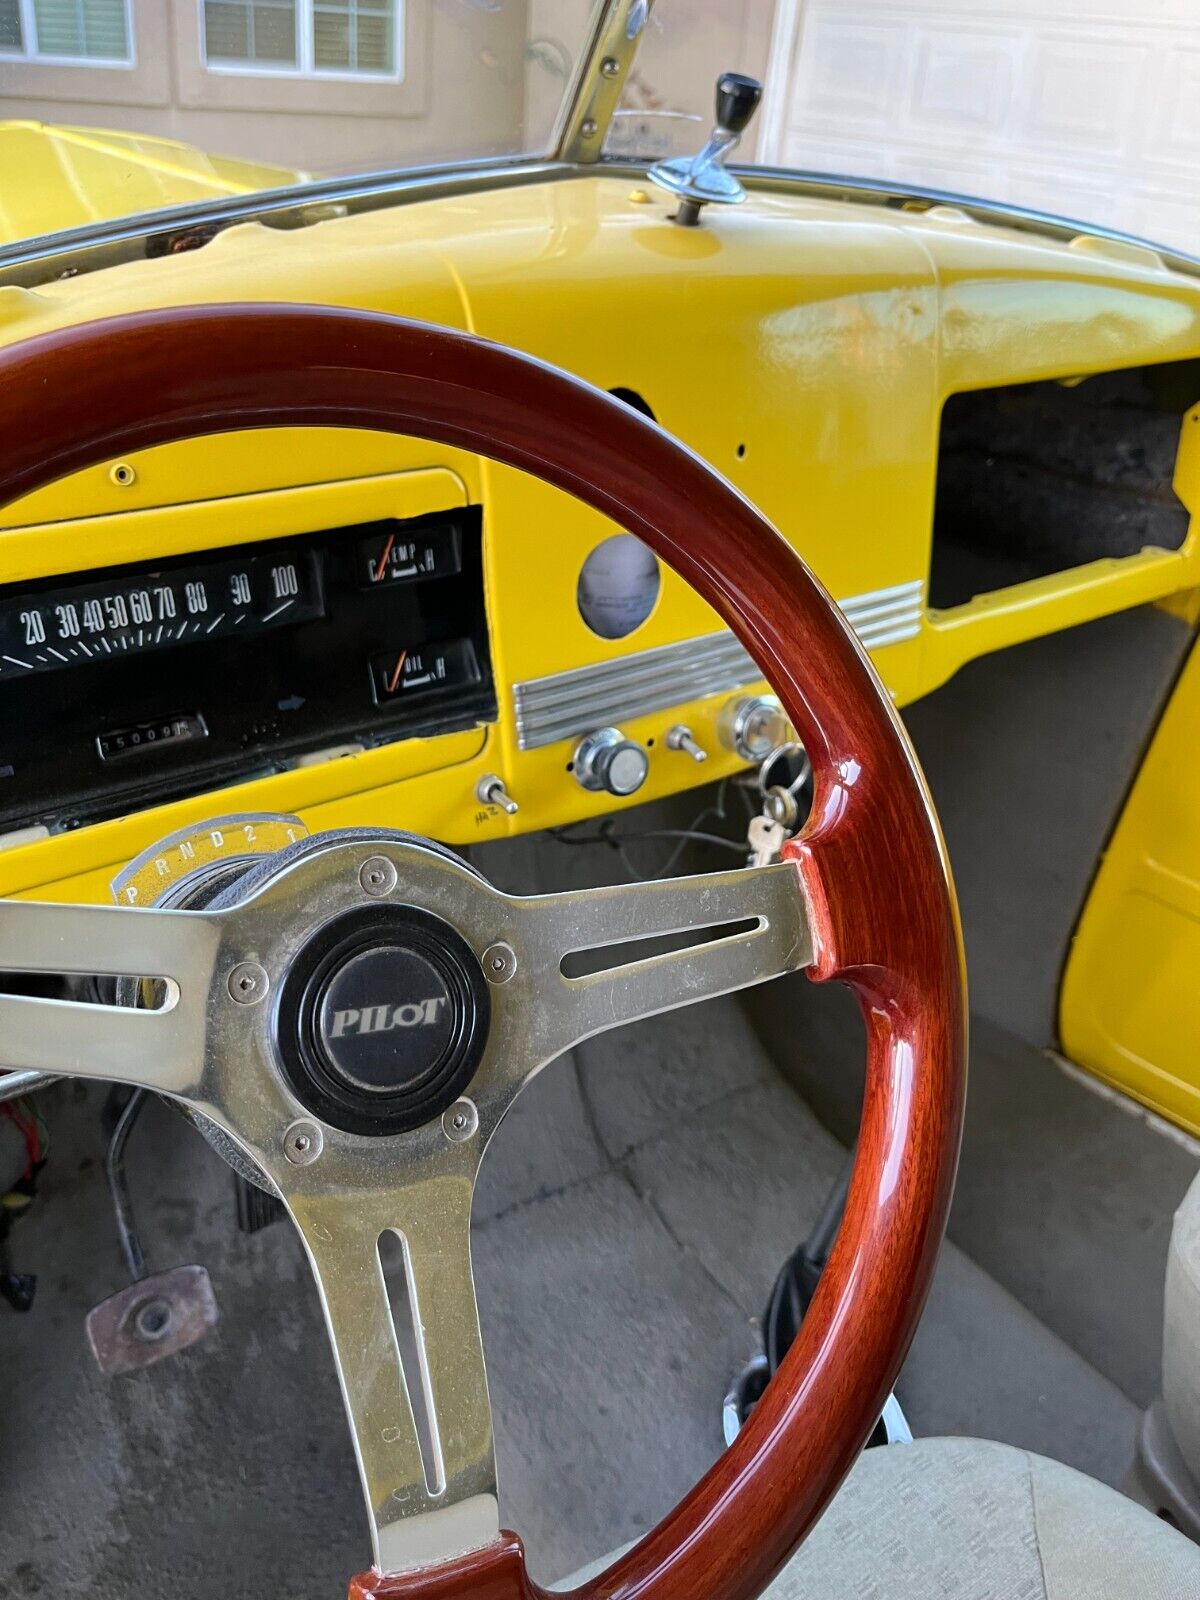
863	896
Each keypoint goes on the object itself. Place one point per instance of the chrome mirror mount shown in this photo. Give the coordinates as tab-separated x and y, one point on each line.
702	179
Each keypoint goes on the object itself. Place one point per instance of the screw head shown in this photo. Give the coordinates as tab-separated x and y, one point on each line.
461	1121
588	127
610	66
302	1143
248	983
499	962
378	876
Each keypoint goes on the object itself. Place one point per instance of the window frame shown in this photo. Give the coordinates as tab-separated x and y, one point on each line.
40	58
304	68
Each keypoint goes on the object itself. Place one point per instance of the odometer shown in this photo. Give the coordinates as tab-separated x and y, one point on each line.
89	622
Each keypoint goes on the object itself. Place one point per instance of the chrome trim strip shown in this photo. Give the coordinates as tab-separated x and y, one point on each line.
566	704
880	191
28	262
569	703
46	256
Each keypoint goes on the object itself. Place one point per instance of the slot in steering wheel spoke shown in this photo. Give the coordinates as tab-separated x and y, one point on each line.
596	959
394	1272
160	1046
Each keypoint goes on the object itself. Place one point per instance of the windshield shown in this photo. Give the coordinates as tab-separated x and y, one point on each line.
114	107
1048	106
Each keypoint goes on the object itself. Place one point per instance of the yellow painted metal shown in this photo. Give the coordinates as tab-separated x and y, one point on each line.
57	177
805	347
110	538
1129	996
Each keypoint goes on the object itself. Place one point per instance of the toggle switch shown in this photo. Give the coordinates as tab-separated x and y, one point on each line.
680	738
490	789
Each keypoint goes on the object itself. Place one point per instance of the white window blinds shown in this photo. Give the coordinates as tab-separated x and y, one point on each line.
311	37
66	30
353	36
251	31
82	29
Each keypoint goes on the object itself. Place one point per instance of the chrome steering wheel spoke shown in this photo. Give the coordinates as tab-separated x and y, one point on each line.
595	959
160	1046
393	1266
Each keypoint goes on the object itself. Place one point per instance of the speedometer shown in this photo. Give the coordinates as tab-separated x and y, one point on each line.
96	621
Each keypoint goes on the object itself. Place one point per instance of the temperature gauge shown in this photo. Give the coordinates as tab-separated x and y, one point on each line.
398	553
423	669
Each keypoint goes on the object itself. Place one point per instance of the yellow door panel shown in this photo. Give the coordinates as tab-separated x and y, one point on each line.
1130	1007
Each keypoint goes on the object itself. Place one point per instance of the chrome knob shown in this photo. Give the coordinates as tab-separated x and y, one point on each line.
491	791
680	738
608	760
701	179
752	726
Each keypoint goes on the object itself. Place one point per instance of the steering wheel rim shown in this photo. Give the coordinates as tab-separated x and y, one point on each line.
870	860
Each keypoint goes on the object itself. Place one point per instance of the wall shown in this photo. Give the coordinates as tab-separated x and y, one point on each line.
463	93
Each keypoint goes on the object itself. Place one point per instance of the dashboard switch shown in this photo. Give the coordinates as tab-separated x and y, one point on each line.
680	738
608	760
491	791
752	725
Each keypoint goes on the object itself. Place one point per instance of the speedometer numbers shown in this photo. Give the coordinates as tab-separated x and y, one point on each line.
92	622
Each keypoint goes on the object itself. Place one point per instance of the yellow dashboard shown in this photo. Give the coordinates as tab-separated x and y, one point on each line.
806	348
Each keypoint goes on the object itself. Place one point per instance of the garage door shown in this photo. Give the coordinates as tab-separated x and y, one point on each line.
1069	106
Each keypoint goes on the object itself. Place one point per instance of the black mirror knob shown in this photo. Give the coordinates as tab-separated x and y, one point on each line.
737	100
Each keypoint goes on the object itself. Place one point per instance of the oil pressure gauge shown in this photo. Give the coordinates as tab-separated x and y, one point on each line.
407	673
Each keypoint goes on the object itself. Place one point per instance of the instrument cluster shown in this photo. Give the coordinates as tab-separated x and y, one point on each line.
153	681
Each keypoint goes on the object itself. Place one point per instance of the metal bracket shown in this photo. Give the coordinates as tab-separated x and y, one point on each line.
596	92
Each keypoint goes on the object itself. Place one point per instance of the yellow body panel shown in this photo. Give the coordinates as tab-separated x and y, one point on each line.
804	347
56	177
1128	1003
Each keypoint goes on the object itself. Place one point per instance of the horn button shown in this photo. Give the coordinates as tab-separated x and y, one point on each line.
382	1020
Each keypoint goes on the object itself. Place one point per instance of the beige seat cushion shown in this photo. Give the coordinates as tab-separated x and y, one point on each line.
964	1519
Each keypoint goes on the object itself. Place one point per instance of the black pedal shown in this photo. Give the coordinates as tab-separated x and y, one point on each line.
256	1209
